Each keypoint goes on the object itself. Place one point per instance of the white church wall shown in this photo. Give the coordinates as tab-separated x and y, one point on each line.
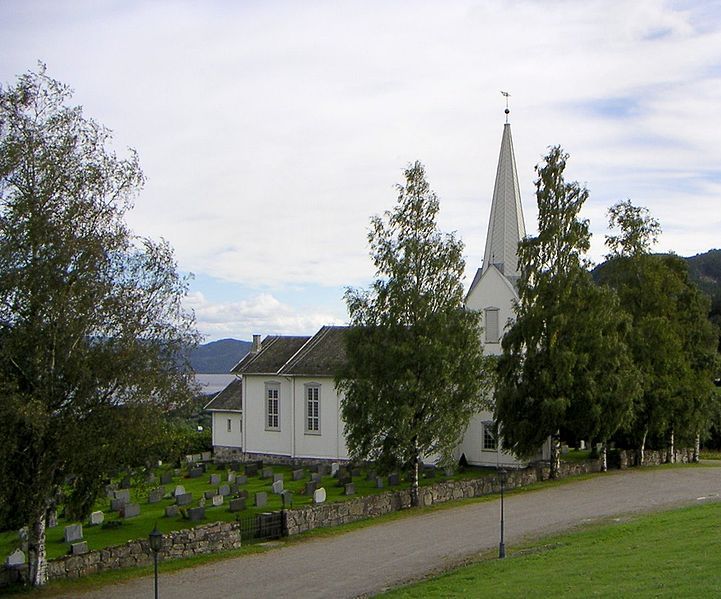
258	438
227	429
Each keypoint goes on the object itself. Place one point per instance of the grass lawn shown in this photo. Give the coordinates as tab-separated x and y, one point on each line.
666	554
140	526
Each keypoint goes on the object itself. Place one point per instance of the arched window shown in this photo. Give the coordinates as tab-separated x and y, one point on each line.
491	326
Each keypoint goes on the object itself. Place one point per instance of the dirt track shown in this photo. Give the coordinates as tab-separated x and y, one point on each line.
369	560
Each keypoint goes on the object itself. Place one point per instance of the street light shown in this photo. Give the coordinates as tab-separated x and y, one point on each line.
502	545
156	544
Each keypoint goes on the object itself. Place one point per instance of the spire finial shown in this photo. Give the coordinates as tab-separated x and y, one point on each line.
507	111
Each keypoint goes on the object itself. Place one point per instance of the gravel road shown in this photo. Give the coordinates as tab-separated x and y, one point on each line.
369	560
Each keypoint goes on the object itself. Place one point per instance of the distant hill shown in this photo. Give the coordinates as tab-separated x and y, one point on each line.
218	357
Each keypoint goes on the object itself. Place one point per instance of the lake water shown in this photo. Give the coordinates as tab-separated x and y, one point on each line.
210	384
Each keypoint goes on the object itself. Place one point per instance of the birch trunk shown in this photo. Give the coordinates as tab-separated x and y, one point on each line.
643	448
697	449
555	456
415	494
37	553
604	458
672	449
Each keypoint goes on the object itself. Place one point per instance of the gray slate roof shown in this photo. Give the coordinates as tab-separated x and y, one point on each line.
230	398
275	351
323	355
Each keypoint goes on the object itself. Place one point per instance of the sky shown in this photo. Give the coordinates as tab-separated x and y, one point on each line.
270	132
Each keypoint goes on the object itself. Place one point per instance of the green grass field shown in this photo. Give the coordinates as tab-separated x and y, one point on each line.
666	554
140	526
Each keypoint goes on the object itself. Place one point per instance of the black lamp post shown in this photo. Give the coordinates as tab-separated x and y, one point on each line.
502	544
156	544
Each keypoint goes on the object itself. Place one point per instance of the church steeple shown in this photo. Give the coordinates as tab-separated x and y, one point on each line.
505	227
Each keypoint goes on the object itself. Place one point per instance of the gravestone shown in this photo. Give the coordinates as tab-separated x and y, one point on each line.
278	487
349	489
189	459
259	464
334	467
393	480
110	490
151	479
79	548
314	467
379	482
179	490
344	478
97	518
171	511
231	477
286	499
310	488
197	457
235	466
24	538
156	495
315	477
166	477
355	472
125	483
319	495
261	499
277	476
15	559
214	479
73	533
251	470
217	500
196	472
206	456
52	518
201	501
324	469
209	494
130	510
448	471
267	472
237	504
176	471
234	488
242	494
298	474
241	480
196	514
184	499
123	494
224	490
117	504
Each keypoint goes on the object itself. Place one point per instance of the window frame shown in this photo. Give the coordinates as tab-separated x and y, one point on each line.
492	338
308	389
487	433
272	417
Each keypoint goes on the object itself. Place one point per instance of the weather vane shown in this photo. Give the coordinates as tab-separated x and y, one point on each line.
507	111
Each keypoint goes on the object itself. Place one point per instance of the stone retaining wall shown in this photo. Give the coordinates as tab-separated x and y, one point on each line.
627	458
224	455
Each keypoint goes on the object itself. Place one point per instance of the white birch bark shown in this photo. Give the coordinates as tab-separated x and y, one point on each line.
672	448
37	558
697	449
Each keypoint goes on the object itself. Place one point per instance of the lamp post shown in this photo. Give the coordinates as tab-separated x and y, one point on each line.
156	543
502	544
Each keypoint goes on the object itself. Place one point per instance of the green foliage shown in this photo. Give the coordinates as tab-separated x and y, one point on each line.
91	320
564	363
415	370
638	230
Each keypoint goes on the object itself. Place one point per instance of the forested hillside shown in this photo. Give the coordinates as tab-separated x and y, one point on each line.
218	357
705	271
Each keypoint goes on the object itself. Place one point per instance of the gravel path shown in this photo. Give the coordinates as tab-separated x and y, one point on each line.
368	560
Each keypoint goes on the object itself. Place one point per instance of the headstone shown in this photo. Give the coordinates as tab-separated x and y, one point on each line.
582	445
209	494
123	494
350	489
231	477
564	449
251	470
166	477
241	480
259	464
277	476
73	533
15	559
214	479
189	458
324	469
310	488
355	472
267	472
286	498
171	511
130	510
319	495
156	495
448	471
24	537
393	480
224	490
179	490
278	487
197	457
379	482
52	518
201	501
176	471
334	467
125	483
196	472
206	456
235	466
242	493
151	479
298	474
110	490
184	499
97	518
79	548
234	488
237	504
315	477
217	500
117	504
196	514
314	467
261	499
344	478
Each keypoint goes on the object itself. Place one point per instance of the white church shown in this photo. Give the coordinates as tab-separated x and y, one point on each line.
284	405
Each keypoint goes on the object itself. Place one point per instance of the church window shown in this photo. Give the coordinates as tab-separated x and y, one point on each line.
491	325
312	408
489	438
272	406
230	425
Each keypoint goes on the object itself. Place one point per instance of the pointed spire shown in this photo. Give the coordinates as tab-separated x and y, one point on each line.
505	227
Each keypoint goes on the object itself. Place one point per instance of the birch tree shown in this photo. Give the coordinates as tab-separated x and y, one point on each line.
415	368
91	321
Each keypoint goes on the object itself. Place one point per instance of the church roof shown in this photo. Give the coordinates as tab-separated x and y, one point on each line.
229	399
323	355
506	226
275	351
